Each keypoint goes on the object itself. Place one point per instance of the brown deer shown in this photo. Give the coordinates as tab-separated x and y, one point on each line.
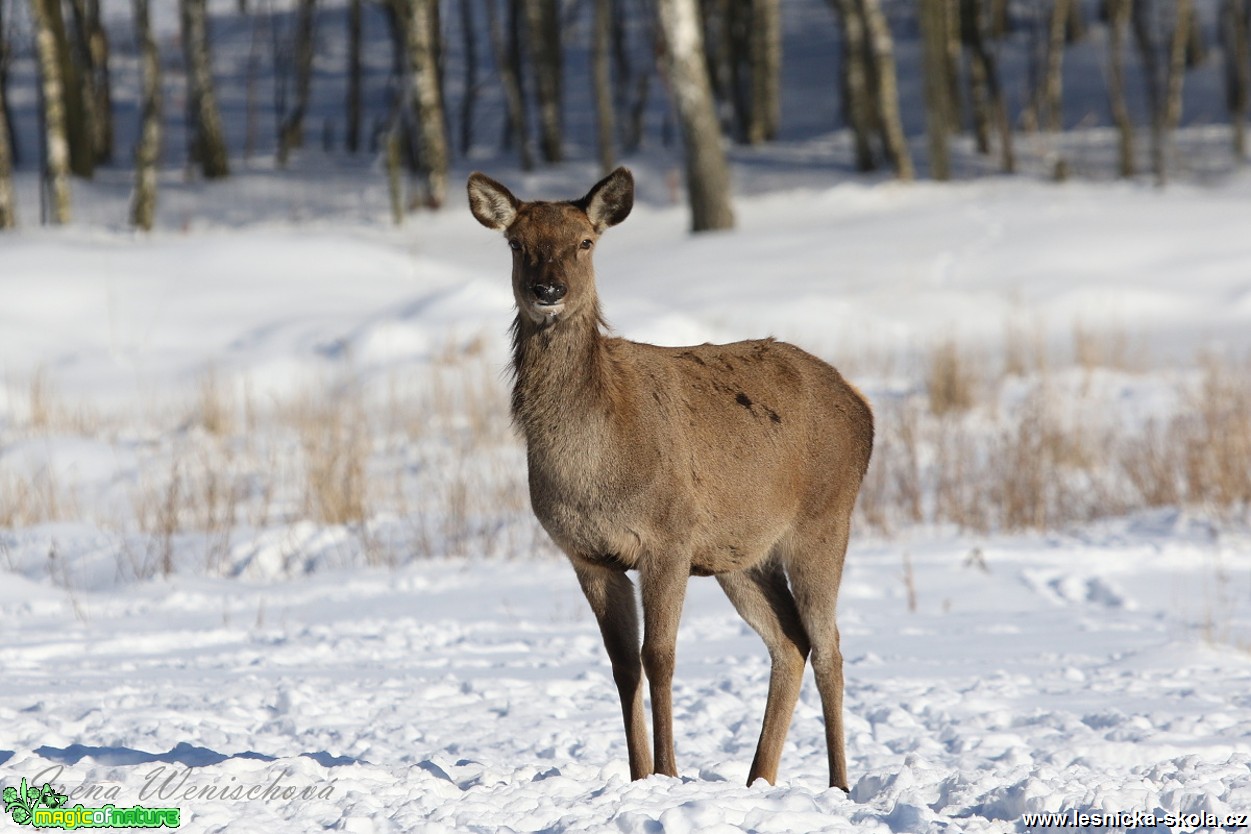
738	461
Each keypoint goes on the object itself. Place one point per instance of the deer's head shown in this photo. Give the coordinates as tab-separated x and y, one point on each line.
552	242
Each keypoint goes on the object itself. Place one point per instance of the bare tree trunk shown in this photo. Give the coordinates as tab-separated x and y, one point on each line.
207	140
1000	22
1051	96
395	178
92	48
291	134
973	35
8	203
887	90
427	105
1182	28
543	26
857	101
1235	39
469	38
1144	36
955	50
717	17
707	172
982	107
1118	20
507	49
355	88
6	56
601	81
251	85
148	150
632	89
78	131
938	116
55	194
738	36
1075	25
766	71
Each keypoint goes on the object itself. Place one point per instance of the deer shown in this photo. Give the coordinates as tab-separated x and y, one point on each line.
739	461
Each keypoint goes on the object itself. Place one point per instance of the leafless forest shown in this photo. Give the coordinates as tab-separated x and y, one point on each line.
417	86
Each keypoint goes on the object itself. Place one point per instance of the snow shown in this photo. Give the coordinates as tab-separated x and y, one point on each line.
1102	669
181	625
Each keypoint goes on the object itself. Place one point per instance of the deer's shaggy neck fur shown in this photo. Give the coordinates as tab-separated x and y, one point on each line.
559	368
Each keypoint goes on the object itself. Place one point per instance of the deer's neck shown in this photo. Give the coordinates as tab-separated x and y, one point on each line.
565	383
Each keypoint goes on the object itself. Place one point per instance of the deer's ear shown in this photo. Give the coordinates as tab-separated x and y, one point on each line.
610	200
493	204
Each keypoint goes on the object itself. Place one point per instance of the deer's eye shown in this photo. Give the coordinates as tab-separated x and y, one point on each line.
586	244
515	245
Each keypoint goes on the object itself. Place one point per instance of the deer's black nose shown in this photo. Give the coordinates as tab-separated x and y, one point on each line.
549	293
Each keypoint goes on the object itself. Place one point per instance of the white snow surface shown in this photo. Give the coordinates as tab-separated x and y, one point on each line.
1102	670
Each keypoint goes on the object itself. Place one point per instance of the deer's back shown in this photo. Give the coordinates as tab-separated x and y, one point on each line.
726	446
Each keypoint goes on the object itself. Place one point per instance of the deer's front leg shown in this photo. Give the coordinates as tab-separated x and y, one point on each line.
611	595
664	588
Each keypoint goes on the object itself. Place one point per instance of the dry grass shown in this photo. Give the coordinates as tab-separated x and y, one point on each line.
951	379
386	470
33	498
335	438
1202	455
215	408
48	413
1039	450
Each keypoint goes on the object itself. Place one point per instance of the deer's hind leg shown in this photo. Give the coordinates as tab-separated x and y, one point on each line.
814	566
761	597
611	595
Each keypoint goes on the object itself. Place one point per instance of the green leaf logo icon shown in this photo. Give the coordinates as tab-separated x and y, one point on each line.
22	801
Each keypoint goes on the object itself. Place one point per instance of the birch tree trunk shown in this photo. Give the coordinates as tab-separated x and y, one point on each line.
766	71
8	203
206	140
601	82
426	98
55	194
857	102
291	135
938	111
1118	20
507	51
6	55
148	150
91	66
1182	29
1051	109
1144	37
355	86
982	61
78	132
469	99
707	172
543	26
1237	49
886	91
92	47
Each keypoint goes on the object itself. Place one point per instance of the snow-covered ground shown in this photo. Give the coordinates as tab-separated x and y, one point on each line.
1040	675
161	644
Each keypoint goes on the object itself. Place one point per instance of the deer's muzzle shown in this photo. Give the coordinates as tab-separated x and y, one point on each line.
549	293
